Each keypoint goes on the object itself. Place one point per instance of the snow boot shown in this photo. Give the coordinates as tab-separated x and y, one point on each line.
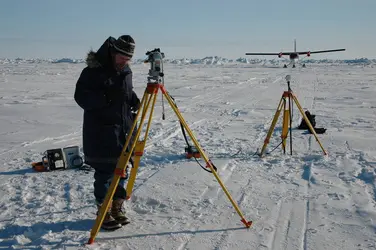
109	223
117	212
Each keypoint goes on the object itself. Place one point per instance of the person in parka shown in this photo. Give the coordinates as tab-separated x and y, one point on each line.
105	92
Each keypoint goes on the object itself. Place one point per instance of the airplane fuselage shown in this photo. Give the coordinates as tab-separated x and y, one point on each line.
294	56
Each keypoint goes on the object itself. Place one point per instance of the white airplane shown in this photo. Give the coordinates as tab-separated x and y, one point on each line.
294	56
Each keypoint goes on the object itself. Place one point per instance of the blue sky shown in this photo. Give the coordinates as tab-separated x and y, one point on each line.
189	28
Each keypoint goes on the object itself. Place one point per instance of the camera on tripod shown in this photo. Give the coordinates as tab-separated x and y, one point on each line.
288	80
155	58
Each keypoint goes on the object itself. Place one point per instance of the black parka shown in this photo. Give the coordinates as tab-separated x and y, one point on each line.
108	100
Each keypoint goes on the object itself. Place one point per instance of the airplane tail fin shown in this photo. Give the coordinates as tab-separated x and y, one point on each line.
294	45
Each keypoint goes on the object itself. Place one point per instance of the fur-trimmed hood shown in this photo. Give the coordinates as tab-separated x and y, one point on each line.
102	57
91	60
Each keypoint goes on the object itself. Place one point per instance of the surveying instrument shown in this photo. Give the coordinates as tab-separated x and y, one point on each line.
287	119
155	82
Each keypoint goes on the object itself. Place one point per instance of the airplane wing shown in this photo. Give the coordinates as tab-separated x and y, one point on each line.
318	51
270	54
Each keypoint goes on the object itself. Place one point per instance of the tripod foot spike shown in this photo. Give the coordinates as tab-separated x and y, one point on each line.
91	241
247	224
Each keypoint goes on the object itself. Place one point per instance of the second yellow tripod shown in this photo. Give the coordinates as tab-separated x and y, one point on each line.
285	104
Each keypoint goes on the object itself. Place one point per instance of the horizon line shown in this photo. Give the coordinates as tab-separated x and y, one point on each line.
176	58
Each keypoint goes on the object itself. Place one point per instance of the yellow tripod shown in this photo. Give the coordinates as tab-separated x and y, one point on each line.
149	99
287	119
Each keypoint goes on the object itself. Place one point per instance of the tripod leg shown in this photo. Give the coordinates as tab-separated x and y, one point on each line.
285	125
308	123
138	152
136	162
290	125
272	126
119	170
290	113
208	162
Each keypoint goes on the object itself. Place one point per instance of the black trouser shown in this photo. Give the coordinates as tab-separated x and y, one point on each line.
102	180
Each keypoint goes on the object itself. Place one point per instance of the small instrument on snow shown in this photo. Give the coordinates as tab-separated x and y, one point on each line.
59	158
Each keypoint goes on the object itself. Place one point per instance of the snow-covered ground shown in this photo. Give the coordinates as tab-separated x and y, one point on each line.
303	201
